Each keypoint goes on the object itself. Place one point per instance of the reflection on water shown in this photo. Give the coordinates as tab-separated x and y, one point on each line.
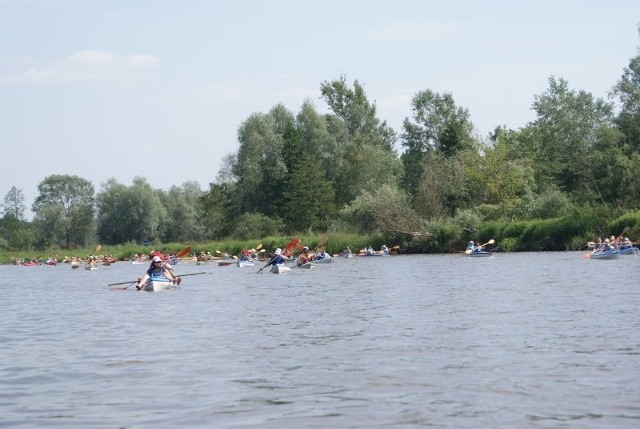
540	340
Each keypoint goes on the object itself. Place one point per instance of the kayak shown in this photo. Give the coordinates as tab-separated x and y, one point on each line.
306	265
629	251
279	269
479	253
322	261
604	254
244	263
157	285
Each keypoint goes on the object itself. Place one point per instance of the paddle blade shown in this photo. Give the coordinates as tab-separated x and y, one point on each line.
491	241
183	252
468	251
293	243
259	246
98	248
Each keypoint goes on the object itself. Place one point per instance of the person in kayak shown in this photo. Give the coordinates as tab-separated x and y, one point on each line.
158	269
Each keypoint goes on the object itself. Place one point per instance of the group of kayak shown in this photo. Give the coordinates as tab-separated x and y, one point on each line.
612	248
308	258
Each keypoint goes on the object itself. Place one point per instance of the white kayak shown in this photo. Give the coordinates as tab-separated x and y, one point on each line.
245	263
157	285
279	269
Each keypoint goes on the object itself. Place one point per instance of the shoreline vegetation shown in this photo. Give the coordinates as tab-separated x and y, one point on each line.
559	234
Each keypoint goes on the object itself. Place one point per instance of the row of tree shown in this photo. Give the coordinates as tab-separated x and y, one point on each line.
306	171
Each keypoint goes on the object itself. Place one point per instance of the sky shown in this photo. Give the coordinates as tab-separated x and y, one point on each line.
157	88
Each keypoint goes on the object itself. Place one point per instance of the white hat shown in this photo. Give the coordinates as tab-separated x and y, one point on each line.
156	259
278	251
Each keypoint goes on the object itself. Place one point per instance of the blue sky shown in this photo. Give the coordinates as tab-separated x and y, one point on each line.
153	88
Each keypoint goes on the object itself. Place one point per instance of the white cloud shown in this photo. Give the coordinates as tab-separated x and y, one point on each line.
90	65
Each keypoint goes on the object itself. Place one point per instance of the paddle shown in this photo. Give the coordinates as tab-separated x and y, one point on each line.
183	252
468	251
293	243
621	236
136	281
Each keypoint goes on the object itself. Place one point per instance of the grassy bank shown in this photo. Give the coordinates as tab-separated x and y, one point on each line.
560	234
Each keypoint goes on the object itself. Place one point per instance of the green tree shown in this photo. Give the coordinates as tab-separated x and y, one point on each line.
129	213
70	200
443	186
436	125
184	213
358	114
569	126
627	89
14	203
260	165
309	197
366	159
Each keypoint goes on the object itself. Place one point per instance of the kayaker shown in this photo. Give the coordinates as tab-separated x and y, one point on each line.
246	256
278	258
303	258
158	268
471	246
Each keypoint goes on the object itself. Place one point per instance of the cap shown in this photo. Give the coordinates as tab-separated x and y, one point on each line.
156	259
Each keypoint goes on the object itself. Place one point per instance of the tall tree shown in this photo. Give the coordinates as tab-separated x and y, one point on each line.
14	203
359	115
628	92
437	124
13	228
260	165
569	127
309	197
70	200
185	212
367	157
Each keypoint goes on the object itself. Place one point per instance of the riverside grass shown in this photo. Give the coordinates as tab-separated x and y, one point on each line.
558	234
334	243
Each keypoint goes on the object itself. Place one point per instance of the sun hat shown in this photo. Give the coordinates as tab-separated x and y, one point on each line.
278	251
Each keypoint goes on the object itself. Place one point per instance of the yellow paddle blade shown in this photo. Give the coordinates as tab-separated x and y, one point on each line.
259	246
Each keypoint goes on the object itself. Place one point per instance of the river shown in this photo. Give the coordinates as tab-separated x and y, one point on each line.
525	340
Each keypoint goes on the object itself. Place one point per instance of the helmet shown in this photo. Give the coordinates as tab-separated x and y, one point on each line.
278	251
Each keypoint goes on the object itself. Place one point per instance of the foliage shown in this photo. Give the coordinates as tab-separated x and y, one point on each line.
256	225
436	125
13	204
66	204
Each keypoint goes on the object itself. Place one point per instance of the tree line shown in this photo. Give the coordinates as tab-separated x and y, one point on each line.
347	170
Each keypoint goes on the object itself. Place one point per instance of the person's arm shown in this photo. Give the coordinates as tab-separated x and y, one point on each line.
142	281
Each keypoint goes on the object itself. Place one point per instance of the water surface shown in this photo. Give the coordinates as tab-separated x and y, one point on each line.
530	340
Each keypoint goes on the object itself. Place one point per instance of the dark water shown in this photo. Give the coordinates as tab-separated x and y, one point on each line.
535	340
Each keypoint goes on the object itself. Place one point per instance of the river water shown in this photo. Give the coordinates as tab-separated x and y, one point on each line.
527	340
